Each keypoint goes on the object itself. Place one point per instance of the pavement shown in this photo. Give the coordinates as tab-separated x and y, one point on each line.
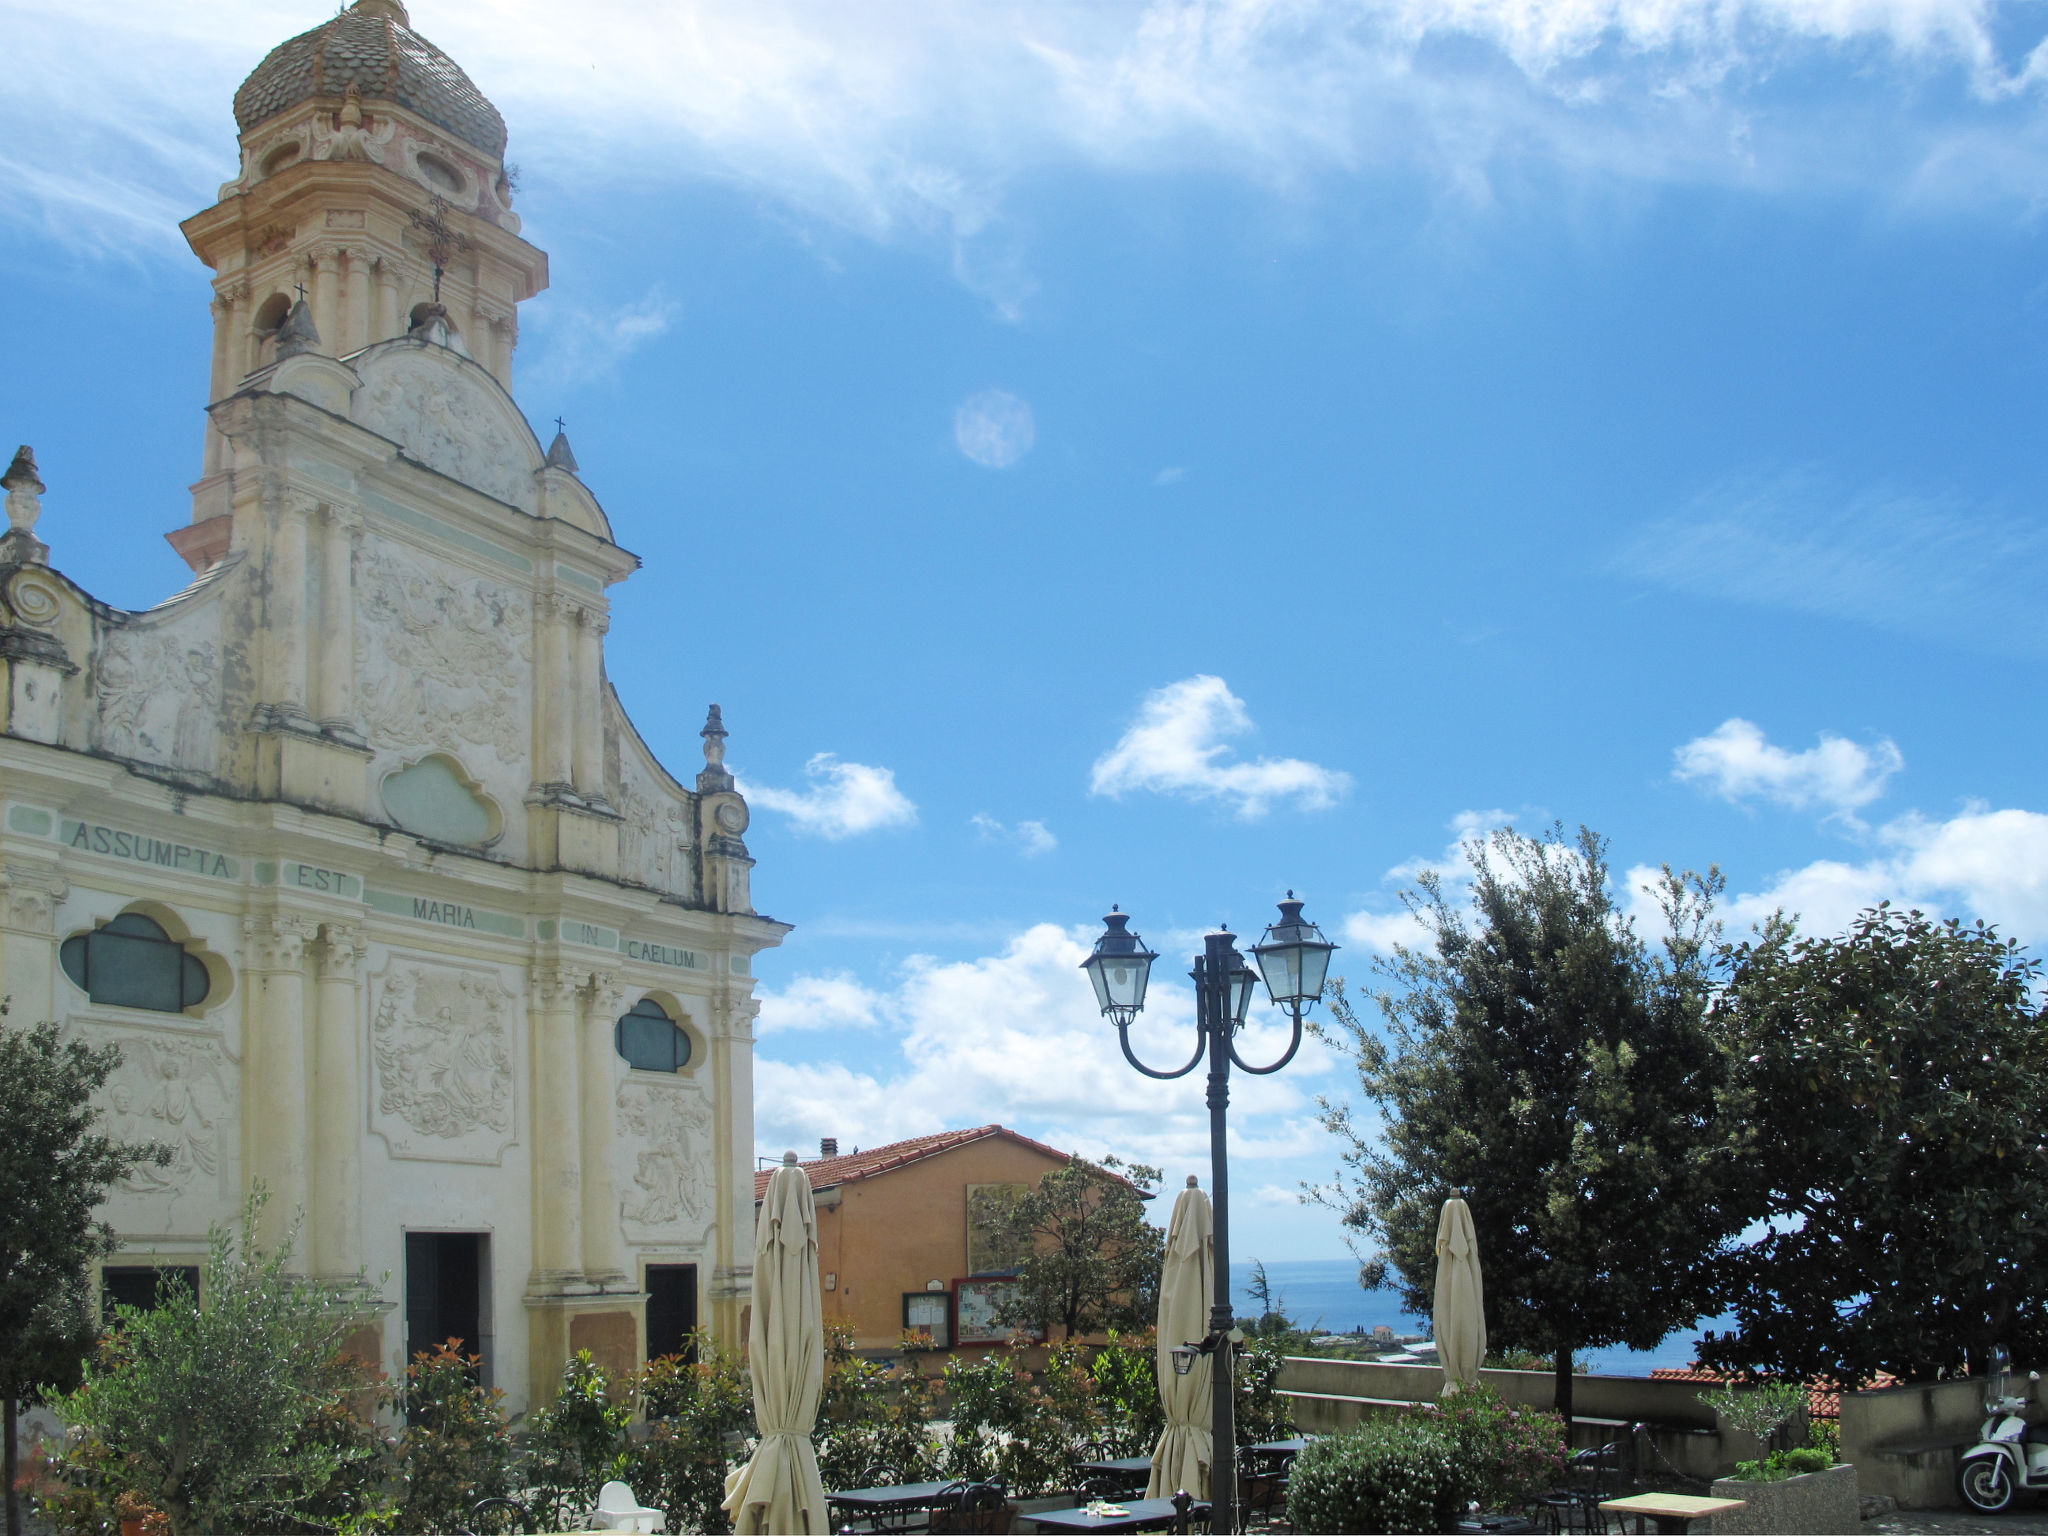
2027	1520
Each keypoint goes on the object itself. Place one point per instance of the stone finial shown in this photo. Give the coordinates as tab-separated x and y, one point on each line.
560	454
298	333
24	485
714	738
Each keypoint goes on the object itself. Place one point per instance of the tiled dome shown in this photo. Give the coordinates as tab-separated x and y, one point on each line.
372	46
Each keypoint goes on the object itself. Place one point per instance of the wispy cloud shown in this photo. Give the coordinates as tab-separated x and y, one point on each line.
1173	474
905	120
844	800
1736	762
994	428
573	345
1930	566
821	1002
1030	838
1178	746
1382	927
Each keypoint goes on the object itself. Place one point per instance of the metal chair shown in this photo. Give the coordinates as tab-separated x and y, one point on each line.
1261	1486
477	1525
977	1509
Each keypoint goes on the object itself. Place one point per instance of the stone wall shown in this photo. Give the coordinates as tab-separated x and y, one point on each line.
1904	1440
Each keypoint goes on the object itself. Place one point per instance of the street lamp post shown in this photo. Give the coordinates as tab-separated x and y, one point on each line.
1294	958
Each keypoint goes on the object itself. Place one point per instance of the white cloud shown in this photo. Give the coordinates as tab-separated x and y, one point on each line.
844	800
1980	863
994	428
835	1002
1173	474
1029	837
1933	566
1735	762
905	119
1176	746
1015	1038
574	346
1381	929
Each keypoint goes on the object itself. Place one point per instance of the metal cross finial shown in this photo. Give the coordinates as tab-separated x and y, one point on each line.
302	293
443	241
560	428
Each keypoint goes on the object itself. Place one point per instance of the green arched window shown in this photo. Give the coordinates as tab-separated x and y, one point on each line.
652	1041
133	963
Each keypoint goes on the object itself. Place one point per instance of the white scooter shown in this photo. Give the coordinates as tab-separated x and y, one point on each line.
2011	1456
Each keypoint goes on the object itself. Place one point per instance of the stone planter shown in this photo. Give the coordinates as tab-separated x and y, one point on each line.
1821	1503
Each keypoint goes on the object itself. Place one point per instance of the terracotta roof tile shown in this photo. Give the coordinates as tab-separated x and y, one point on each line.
827	1172
1823	1398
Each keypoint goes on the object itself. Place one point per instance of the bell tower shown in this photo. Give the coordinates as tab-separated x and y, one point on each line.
373	186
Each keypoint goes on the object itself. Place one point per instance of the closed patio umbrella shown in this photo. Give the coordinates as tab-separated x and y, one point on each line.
1187	1282
1460	1311
778	1491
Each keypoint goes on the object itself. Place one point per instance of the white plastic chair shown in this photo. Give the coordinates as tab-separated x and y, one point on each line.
618	1509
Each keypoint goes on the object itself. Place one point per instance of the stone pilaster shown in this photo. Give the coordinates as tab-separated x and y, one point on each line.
286	611
388	324
557	1169
274	1063
335	1222
589	711
340	532
604	1256
354	333
556	725
732	1078
327	297
29	893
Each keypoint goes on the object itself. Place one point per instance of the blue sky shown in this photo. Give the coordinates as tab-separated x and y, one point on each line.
1171	453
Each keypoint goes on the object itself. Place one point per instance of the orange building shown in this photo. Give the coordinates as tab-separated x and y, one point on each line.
895	1249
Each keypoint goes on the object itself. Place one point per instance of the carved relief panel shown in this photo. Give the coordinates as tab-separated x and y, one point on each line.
158	690
655	826
182	1091
450	420
442	1061
665	1145
444	662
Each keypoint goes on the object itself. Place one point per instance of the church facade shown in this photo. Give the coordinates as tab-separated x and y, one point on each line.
349	845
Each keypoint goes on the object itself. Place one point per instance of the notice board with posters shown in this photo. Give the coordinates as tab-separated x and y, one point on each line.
974	1311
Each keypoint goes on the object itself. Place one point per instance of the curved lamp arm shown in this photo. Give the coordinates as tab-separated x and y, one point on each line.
1123	1038
1293	1046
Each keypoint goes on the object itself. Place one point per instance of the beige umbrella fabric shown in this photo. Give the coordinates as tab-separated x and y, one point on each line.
1187	1282
778	1491
1460	1313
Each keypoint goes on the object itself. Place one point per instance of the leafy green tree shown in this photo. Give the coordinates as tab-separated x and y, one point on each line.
457	1448
55	1170
1087	1257
1546	1064
214	1413
1893	1083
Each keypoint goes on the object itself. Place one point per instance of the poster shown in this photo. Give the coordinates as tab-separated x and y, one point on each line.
975	1307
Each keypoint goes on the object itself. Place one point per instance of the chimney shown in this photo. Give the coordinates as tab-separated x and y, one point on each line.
828	1146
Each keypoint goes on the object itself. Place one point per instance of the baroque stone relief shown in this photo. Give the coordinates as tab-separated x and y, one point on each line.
654	832
179	1090
666	1142
451	420
158	688
441	1044
444	661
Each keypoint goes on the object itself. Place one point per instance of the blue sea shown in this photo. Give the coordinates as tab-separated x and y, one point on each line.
1325	1294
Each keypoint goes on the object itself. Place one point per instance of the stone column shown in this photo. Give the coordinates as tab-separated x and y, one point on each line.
29	894
557	722
287	611
589	713
354	333
327	298
732	1088
339	531
604	1251
388	322
334	1224
557	1173
274	1065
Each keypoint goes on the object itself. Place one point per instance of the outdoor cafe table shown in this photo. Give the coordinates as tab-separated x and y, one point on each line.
873	1503
1127	1467
1138	1515
1285	1448
1670	1511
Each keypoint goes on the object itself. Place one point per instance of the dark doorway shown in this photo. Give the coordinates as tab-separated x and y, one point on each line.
444	1292
671	1310
143	1285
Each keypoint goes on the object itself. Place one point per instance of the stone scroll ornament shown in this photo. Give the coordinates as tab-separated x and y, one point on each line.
441	1038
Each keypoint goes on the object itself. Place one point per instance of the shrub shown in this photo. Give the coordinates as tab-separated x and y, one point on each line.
1759	1410
1262	1413
1783	1464
1507	1455
1126	1376
871	1415
692	1407
1391	1474
456	1448
1011	1425
577	1443
1825	1435
209	1412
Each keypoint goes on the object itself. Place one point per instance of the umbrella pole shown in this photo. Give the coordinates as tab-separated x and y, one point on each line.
1213	1005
